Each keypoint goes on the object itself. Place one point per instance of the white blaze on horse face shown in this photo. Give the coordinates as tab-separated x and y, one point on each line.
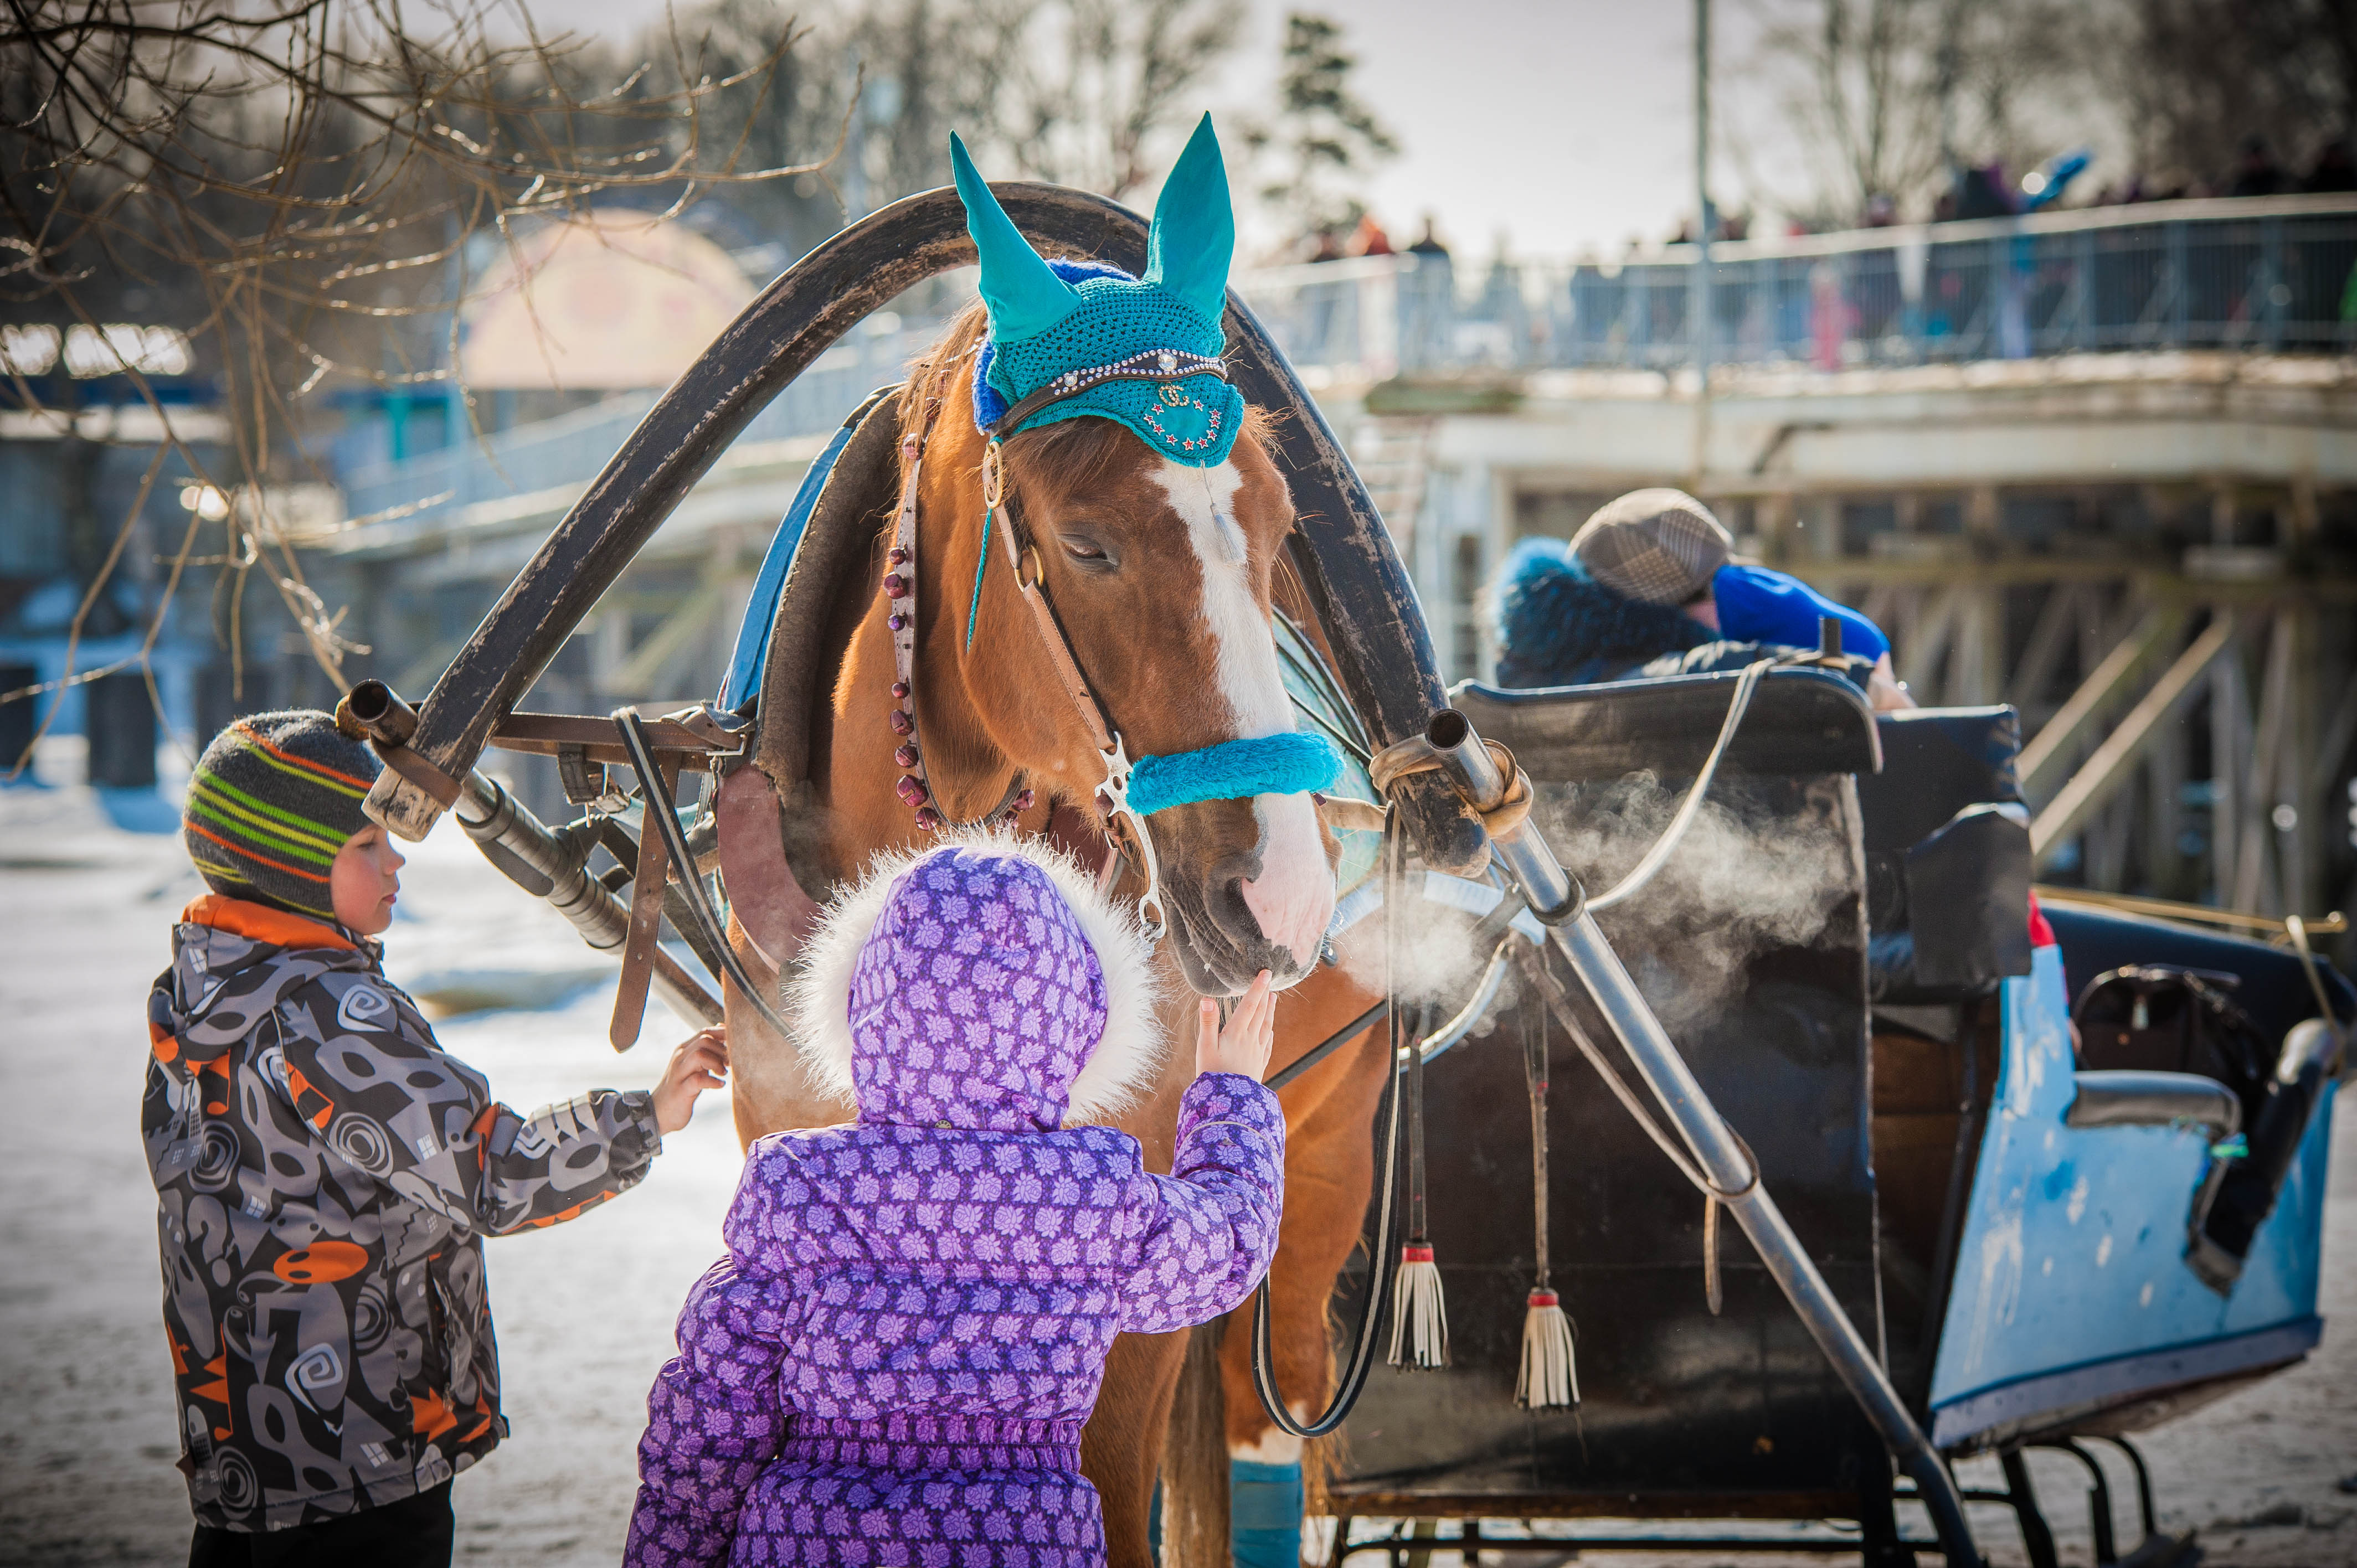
1293	898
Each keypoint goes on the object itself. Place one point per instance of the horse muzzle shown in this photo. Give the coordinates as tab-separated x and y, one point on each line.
1264	905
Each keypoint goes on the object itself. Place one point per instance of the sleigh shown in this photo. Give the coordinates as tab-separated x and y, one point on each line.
2052	1247
1897	1070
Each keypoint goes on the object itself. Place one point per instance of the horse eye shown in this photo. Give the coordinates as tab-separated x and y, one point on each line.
1079	549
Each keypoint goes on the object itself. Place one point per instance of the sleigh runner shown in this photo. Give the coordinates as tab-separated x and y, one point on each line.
1895	1070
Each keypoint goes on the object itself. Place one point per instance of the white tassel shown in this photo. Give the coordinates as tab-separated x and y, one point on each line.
1419	1315
1550	1374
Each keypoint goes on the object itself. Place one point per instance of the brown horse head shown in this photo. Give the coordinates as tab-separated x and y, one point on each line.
1160	575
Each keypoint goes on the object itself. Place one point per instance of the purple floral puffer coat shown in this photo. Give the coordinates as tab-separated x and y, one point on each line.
893	1363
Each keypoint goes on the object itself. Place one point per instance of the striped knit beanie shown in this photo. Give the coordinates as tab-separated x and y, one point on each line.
272	801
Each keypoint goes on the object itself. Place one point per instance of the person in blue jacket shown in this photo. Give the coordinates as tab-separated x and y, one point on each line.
1649	587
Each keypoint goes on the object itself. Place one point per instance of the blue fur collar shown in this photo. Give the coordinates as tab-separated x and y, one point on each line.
1558	628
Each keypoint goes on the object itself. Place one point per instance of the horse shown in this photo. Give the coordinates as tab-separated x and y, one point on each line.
1168	610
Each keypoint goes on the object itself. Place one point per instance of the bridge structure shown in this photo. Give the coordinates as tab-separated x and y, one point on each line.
2099	464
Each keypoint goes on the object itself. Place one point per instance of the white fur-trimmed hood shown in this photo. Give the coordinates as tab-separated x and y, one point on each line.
1127	1058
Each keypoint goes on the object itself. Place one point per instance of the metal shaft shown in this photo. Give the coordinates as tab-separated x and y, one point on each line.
1720	1155
533	857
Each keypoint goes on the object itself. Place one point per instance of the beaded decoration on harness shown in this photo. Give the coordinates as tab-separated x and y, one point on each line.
900	586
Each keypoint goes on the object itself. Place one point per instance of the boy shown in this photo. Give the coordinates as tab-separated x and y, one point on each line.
327	1175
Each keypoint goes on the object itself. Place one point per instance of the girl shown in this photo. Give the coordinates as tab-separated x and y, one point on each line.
327	1175
893	1362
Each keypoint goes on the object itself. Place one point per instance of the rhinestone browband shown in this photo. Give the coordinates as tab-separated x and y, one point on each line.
1148	365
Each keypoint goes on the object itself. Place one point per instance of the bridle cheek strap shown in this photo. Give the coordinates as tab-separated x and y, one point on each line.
1023	561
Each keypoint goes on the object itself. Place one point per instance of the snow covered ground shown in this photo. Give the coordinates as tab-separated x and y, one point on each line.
88	888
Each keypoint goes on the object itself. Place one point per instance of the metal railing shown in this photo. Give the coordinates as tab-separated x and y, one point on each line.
2276	275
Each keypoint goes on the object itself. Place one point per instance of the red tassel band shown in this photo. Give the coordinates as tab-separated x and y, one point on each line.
1545	1298
1413	1253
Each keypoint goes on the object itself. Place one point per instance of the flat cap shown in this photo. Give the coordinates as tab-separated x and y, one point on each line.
1657	546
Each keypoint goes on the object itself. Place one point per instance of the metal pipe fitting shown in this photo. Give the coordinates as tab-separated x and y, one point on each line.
529	852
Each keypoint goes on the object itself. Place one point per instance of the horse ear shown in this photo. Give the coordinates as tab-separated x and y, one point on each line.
1023	294
1194	234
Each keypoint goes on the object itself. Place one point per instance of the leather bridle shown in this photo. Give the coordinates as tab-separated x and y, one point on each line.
1023	560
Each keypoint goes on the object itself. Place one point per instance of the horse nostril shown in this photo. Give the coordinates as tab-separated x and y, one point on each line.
1288	914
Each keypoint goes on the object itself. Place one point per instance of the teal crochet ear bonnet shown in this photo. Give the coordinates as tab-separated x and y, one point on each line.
1075	338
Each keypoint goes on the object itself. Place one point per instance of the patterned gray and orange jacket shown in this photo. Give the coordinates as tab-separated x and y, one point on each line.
327	1173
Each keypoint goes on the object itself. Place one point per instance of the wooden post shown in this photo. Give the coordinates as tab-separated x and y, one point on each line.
2258	885
1979	667
2305	514
2313	813
1428	565
2106	841
2058	618
2113	762
609	650
2302	842
1984	513
1820	525
1497	539
1976	671
2058	744
2165	770
1775	514
1934	620
2228	740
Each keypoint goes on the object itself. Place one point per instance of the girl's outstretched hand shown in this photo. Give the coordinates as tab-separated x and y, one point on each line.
1244	1046
700	1062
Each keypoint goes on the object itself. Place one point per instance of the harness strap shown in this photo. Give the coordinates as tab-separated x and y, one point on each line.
901	586
1120	817
1020	550
1148	365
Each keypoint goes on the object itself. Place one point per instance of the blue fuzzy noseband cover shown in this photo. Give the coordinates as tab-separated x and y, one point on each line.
1235	770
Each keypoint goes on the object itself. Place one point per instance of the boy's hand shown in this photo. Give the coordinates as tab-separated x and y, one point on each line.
1244	1046
699	1062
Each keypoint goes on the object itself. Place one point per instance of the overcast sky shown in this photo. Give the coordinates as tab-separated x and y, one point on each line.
1562	125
